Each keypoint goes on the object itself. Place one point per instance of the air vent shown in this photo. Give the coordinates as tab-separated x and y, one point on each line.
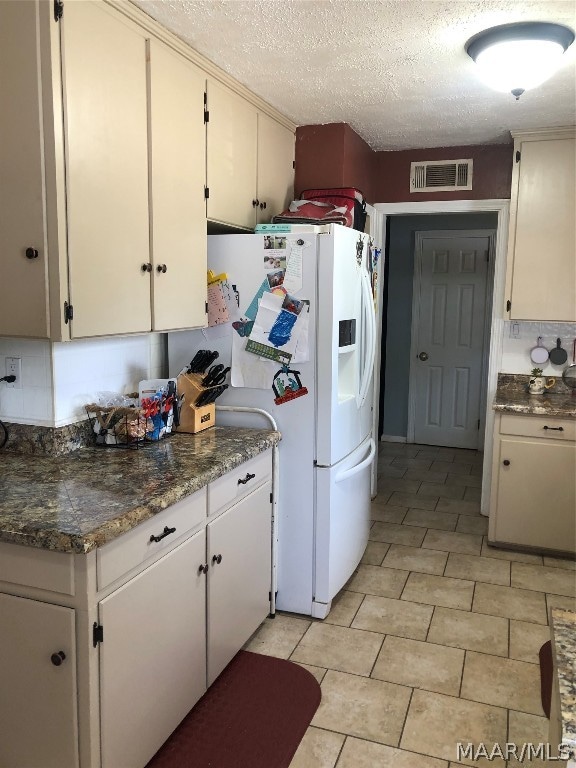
440	175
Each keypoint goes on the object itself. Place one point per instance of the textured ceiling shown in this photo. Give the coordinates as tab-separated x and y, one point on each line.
394	70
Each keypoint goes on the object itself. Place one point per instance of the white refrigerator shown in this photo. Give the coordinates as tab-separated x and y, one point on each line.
327	446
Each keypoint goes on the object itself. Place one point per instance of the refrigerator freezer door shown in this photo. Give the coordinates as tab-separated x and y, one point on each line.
345	343
342	523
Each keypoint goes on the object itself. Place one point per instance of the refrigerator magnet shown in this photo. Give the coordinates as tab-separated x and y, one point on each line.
287	386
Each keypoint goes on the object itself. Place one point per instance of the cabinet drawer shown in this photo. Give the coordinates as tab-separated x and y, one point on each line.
236	484
136	547
538	426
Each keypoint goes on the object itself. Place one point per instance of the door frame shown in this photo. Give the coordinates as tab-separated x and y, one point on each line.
420	236
502	208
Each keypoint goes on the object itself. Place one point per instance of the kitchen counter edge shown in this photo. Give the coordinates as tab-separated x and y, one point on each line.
193	462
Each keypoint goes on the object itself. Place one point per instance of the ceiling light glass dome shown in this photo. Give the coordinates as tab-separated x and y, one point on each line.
517	57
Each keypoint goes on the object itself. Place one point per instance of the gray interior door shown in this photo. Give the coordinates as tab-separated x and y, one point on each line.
448	338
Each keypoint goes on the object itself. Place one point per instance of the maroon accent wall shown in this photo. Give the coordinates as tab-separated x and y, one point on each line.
333	155
492	173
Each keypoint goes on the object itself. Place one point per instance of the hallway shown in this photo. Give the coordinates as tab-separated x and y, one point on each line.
434	640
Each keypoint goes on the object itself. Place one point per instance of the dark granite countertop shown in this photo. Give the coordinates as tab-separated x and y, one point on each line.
564	641
512	397
80	501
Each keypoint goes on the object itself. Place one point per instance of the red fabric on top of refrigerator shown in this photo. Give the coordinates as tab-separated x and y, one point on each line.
351	198
315	212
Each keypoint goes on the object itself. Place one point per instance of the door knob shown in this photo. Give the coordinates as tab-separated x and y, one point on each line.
423	356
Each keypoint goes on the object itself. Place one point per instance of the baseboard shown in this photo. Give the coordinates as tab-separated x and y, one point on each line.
392	439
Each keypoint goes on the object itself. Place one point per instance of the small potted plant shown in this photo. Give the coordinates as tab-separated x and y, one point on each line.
538	384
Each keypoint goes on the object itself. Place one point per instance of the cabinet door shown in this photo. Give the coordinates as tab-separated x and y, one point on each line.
238	585
536	494
153	657
275	167
178	174
544	252
231	161
38	708
105	113
23	302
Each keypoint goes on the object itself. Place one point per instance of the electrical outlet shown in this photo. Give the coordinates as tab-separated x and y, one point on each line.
14	368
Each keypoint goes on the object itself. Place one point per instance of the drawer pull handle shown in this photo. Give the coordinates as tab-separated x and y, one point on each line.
506	462
217	559
57	658
203	569
246	479
556	429
167	532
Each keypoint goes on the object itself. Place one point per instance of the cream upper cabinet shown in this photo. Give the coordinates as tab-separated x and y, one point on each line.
275	182
178	172
23	244
231	145
105	118
541	279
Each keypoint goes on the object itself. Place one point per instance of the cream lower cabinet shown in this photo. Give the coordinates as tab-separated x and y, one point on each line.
533	497
153	658
541	274
105	653
239	556
38	690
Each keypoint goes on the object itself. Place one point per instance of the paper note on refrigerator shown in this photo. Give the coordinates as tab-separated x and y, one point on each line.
217	308
293	274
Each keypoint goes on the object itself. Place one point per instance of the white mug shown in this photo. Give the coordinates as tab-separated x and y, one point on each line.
538	384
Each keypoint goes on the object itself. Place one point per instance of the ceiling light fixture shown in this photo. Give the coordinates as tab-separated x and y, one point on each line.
517	57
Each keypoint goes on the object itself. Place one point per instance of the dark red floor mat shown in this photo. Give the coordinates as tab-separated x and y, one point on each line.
253	716
546	671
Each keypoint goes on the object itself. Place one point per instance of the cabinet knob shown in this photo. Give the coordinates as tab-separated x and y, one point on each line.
506	462
57	658
262	206
31	253
216	560
555	429
161	268
247	479
147	267
203	568
255	203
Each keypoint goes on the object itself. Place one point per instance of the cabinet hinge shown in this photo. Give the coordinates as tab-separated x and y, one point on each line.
68	312
97	634
518	156
205	307
206	193
293	163
206	112
58	9
508	305
478	427
270	498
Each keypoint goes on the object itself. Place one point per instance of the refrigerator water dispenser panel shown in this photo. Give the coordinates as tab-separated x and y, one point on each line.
347	332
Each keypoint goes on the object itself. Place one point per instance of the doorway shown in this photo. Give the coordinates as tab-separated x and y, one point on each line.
398	407
451	306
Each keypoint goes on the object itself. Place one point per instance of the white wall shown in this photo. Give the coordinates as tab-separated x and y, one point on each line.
58	379
521	336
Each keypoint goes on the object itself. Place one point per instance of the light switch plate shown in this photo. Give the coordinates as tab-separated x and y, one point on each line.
14	368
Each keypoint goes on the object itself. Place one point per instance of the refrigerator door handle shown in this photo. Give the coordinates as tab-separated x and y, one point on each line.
358	467
368	308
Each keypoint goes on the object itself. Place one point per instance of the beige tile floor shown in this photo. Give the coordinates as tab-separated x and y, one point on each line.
435	637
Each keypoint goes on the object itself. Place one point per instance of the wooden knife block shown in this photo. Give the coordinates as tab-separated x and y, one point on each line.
194	419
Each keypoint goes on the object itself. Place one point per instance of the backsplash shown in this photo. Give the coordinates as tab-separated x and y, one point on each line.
58	379
521	336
